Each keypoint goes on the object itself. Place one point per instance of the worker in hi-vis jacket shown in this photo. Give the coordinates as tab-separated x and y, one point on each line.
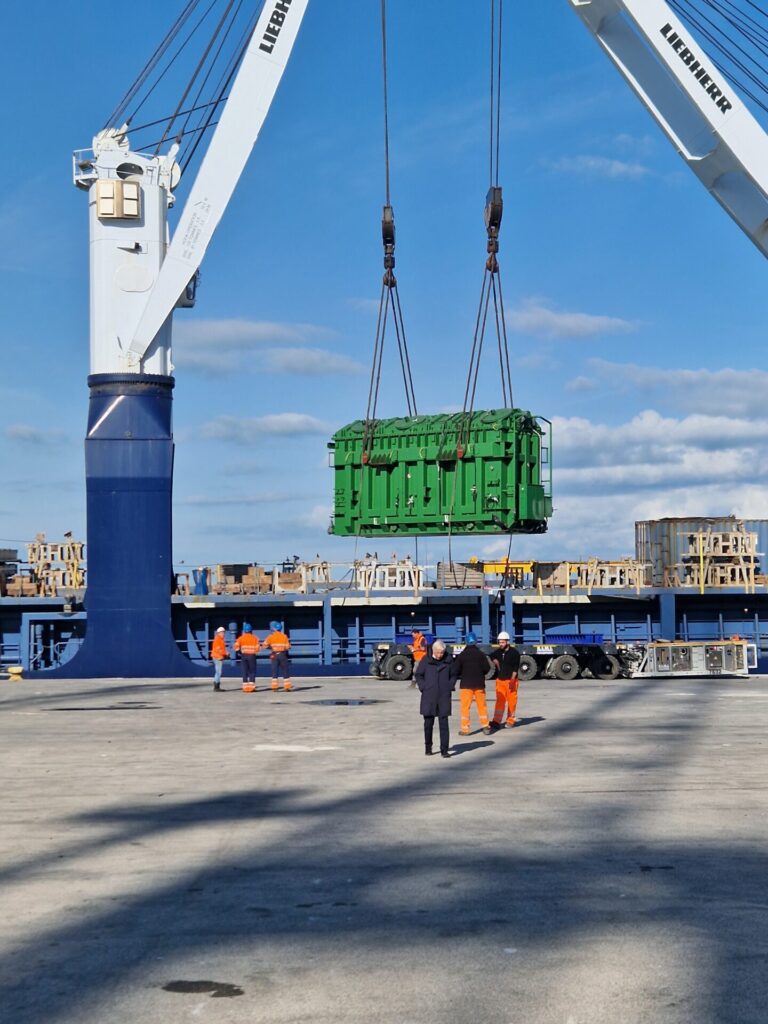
471	667
249	645
507	660
279	645
218	653
419	648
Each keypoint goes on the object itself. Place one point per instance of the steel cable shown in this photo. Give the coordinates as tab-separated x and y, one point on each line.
390	293
223	87
152	62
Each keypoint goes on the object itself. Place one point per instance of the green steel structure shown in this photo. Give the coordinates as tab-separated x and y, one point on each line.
486	472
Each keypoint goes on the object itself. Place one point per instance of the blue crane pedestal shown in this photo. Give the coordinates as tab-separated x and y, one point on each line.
129	484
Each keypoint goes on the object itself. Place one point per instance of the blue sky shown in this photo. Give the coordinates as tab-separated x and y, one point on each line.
635	305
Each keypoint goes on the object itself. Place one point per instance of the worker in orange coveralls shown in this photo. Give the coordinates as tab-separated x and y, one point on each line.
279	644
419	648
507	660
471	667
218	654
249	646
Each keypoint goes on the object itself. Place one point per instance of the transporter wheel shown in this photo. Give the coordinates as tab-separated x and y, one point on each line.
528	668
565	667
606	667
399	667
491	672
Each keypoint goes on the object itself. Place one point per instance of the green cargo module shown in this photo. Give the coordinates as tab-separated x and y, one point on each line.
490	472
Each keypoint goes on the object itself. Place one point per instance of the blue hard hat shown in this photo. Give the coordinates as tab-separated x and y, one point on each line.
471	638
247	628
274	625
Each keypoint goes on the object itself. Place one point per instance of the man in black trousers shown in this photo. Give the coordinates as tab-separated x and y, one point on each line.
435	677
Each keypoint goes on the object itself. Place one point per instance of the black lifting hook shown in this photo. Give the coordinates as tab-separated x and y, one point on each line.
388	238
494	211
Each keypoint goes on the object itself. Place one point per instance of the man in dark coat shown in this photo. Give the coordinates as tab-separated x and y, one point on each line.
471	668
435	677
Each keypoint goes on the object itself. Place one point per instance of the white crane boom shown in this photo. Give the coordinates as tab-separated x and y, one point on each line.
241	121
698	109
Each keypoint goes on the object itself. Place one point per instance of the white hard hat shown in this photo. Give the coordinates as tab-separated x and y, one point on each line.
503	636
221	629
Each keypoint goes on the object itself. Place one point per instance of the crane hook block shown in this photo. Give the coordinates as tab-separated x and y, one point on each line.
494	210
388	229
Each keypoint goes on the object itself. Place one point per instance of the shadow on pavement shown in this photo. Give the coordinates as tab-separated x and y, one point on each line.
465	748
340	882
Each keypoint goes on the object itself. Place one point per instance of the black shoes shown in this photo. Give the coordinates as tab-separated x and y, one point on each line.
444	753
428	751
217	689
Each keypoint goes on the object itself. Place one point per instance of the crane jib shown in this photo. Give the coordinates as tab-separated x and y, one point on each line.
276	22
688	58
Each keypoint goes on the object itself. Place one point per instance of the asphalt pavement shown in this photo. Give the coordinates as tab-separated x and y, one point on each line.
169	855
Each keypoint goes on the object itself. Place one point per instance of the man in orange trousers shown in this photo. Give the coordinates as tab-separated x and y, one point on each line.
471	667
507	660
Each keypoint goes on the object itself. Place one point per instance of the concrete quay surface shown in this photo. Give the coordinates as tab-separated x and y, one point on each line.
169	855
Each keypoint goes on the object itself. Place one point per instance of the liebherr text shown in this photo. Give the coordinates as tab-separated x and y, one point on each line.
276	22
695	67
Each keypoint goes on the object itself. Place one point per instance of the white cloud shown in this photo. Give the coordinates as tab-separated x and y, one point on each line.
245	430
242	334
533	316
233	500
312	362
319	517
364	305
581	385
661	459
727	391
599	167
22	433
218	346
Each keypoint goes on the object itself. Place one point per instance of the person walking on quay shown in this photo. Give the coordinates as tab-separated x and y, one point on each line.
279	645
436	678
507	660
249	645
218	653
471	667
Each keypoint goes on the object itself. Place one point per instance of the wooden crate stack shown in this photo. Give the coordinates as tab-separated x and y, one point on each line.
54	568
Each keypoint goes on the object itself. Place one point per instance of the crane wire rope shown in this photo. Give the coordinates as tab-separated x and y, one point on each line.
212	66
222	88
152	63
714	34
491	289
389	298
195	74
185	42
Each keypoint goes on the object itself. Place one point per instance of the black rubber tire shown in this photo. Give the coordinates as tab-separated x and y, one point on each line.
529	668
491	673
399	667
565	667
373	668
606	667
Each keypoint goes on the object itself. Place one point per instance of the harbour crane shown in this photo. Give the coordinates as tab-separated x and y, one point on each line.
139	275
693	102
